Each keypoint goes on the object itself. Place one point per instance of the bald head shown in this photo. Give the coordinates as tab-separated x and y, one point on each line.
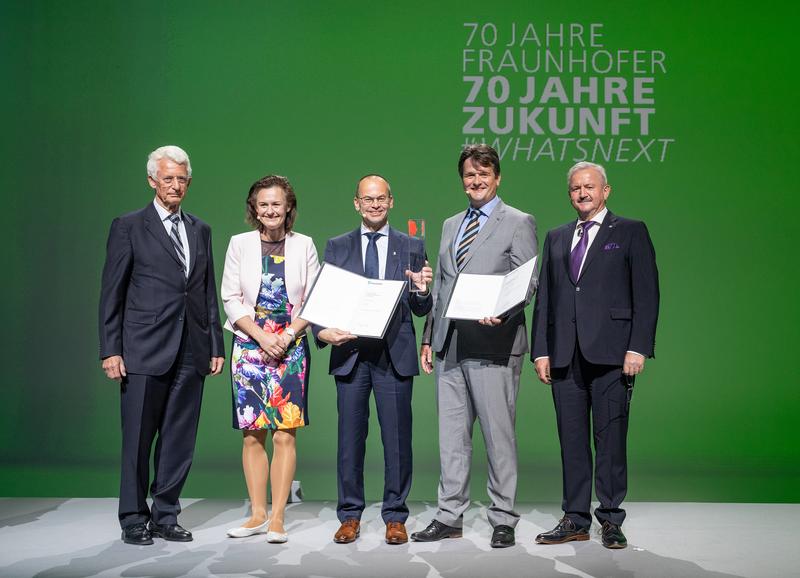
373	201
373	178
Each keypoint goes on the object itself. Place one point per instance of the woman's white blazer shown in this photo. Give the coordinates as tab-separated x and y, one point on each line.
241	279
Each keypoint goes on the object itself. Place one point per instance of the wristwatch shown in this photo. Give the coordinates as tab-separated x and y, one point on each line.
291	333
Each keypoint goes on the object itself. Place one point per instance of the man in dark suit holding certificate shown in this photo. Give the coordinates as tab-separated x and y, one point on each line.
478	363
384	366
160	336
594	325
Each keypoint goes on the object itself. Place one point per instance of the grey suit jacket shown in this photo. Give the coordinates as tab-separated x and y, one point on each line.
506	241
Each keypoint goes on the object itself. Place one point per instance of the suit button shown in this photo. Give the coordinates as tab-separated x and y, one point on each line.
573	320
577	289
180	318
185	293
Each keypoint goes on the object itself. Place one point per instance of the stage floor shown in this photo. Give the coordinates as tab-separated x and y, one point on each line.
48	537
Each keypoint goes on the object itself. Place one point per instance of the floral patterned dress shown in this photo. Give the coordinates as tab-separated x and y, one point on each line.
270	394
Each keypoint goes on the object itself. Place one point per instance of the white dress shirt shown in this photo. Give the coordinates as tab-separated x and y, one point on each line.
381	242
165	215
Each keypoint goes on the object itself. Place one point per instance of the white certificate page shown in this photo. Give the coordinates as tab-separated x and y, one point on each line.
477	296
351	302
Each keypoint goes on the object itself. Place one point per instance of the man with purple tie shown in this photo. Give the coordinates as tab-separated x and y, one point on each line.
594	325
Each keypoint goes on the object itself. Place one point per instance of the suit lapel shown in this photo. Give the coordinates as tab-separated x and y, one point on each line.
606	229
252	265
191	235
450	239
393	255
152	222
565	247
355	262
486	231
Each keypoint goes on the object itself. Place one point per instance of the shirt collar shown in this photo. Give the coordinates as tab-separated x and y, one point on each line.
165	214
383	230
488	207
598	218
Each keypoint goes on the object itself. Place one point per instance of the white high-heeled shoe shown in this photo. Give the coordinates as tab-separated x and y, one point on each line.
243	532
277	537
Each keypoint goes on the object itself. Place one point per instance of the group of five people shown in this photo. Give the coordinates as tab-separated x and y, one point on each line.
593	326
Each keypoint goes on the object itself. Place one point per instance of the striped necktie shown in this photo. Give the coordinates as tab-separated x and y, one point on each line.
176	241
470	232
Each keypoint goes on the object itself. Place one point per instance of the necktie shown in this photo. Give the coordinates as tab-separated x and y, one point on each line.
175	237
371	264
470	232
576	257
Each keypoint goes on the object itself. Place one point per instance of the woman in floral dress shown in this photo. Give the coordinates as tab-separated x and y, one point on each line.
268	273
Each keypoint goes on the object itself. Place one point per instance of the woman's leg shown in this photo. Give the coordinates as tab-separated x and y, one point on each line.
284	460
256	471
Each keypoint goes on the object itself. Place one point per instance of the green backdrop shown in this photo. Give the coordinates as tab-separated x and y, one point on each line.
324	92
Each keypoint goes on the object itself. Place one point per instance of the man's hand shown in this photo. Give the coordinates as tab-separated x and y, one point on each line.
422	279
114	367
633	364
426	358
335	336
542	366
217	363
490	321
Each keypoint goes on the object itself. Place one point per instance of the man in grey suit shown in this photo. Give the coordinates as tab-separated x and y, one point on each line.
477	363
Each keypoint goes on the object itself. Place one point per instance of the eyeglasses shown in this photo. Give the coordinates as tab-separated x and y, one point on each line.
182	181
382	200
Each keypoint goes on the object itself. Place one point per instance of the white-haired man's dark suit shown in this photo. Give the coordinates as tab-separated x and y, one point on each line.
165	324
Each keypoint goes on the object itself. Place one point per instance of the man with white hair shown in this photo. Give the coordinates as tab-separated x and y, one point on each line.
594	324
160	335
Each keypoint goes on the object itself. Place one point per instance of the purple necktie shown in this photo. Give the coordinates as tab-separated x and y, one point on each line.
576	257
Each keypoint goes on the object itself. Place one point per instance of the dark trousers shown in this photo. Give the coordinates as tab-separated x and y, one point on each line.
167	405
586	394
374	372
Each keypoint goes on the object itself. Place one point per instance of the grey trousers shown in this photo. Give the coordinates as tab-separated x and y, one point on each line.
486	389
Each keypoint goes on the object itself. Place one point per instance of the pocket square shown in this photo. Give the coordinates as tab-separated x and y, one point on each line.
610	247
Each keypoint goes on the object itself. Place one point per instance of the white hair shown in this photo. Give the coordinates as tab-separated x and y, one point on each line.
587	165
171	152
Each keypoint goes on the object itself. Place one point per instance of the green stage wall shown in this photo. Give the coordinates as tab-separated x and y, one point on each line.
692	107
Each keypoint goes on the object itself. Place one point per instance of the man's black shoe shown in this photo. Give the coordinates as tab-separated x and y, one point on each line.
170	532
566	531
137	534
502	536
613	537
436	531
